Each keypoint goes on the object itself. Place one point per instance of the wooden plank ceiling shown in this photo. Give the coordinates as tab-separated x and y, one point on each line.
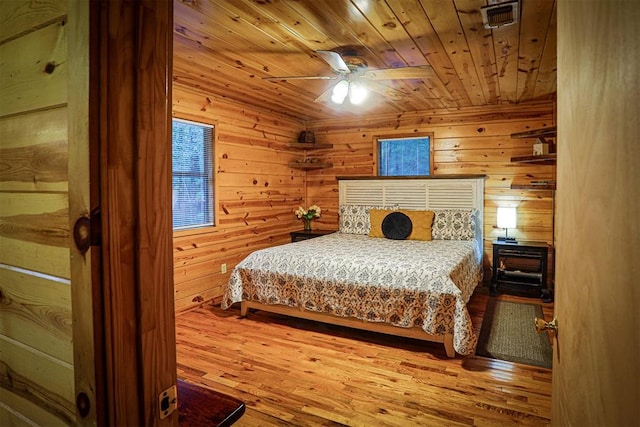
226	47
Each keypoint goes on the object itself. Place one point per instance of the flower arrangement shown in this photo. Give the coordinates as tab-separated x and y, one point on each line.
308	214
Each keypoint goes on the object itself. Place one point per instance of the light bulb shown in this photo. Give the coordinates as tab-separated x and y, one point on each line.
357	93
340	92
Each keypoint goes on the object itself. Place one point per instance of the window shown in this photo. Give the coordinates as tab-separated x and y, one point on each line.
192	154
409	156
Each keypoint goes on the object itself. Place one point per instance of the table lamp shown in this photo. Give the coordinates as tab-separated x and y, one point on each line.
506	219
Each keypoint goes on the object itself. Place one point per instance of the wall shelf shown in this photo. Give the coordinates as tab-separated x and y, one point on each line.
309	145
534	185
305	164
536	133
543	158
310	165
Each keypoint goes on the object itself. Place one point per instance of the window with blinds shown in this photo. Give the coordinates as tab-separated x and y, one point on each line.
192	166
404	156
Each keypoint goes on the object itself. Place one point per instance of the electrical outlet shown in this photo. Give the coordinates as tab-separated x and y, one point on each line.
223	268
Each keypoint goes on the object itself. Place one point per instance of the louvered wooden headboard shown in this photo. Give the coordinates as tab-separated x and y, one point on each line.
418	193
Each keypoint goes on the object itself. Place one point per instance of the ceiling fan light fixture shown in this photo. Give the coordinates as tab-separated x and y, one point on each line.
357	93
340	92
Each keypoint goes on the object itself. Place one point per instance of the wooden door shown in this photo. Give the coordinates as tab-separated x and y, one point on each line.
596	372
46	312
87	330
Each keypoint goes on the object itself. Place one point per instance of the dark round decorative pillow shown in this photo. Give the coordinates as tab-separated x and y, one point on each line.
396	226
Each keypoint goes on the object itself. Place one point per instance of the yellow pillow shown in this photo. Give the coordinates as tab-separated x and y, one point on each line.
421	222
376	216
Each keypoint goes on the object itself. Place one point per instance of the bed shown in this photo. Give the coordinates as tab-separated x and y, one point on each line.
410	287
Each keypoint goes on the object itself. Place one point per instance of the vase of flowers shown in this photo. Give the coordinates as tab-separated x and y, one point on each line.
307	215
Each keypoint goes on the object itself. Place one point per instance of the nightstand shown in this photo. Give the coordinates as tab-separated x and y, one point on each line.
520	268
297	236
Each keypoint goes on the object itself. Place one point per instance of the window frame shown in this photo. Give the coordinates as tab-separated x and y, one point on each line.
214	182
376	151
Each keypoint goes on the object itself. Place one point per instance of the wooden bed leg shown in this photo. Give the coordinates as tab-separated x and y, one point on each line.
448	345
244	309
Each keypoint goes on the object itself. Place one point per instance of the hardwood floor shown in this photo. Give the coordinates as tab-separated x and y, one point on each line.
296	372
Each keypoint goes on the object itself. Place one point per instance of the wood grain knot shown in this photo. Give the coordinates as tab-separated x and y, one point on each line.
83	403
50	68
82	234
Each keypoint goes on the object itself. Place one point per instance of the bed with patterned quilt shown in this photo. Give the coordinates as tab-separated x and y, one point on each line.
406	269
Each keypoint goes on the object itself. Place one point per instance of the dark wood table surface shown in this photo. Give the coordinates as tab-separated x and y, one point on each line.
200	406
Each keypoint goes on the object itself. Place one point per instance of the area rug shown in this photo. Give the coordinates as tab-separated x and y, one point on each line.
508	333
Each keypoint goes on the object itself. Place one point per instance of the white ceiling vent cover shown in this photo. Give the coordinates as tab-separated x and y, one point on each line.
500	15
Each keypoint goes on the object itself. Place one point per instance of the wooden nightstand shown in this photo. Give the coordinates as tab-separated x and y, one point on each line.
297	236
520	267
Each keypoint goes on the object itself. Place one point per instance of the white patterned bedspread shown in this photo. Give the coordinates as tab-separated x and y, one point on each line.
404	283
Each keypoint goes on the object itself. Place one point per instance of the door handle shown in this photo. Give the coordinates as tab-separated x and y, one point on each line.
541	325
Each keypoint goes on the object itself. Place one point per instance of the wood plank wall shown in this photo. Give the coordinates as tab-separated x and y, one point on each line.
36	352
472	140
257	193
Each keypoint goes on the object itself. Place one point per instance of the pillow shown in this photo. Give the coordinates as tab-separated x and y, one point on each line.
354	219
454	224
396	226
376	216
421	223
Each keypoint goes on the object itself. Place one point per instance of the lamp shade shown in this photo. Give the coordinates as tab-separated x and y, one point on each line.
506	217
340	92
357	93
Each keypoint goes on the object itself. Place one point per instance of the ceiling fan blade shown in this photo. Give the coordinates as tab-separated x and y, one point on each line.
419	72
334	60
325	96
387	91
276	79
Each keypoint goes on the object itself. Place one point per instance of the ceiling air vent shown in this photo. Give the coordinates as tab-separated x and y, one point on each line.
499	15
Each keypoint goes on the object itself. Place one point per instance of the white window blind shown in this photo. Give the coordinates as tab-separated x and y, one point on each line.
404	156
192	164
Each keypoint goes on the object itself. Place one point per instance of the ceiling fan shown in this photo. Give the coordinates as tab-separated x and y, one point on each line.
354	77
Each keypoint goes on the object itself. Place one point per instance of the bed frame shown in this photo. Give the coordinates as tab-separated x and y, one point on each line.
450	192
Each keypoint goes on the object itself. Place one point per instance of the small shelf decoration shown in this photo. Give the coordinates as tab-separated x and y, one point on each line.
307	137
542	149
308	214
